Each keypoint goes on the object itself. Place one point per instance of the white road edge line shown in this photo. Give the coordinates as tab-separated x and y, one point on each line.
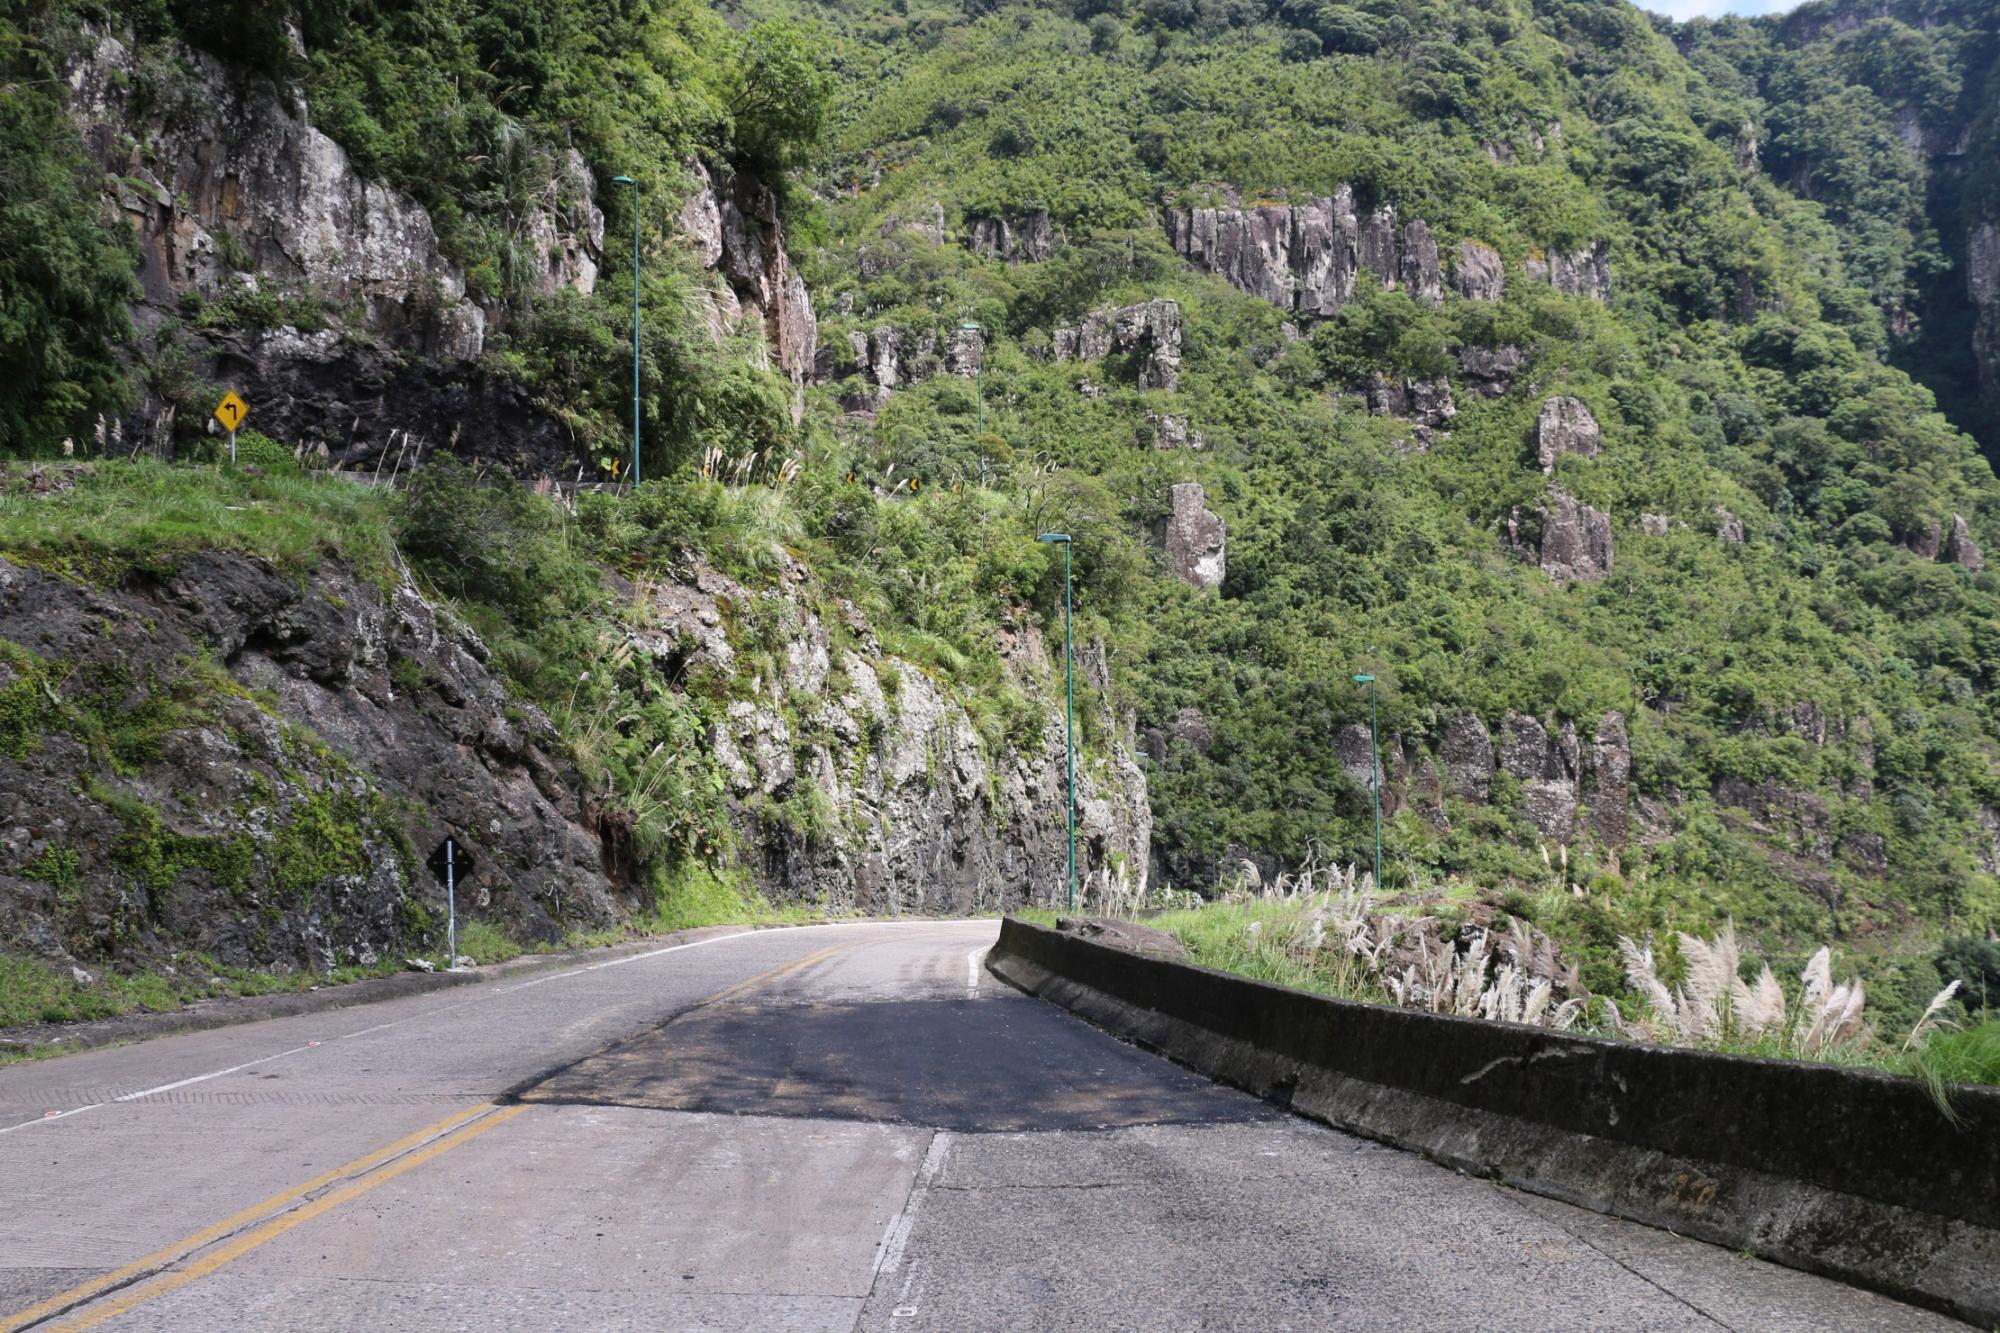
972	970
890	1257
428	1013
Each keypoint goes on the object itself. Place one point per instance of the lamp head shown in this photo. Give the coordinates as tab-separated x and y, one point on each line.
1364	680
624	180
971	325
1053	537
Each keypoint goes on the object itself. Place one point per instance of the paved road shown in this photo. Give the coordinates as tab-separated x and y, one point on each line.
838	1127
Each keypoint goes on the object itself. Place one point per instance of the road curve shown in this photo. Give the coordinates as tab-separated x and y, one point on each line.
826	1128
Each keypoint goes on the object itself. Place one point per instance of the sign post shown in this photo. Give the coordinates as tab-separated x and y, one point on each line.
448	862
230	412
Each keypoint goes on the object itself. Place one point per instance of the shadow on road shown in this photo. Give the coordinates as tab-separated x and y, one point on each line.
952	1064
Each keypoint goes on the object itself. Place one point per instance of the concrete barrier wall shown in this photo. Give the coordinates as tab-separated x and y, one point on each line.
1850	1173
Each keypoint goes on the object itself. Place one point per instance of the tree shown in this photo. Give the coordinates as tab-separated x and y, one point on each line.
779	96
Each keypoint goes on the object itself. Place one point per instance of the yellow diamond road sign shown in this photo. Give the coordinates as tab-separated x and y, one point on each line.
231	410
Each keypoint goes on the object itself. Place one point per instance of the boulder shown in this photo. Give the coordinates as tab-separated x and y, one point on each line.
1171	431
1479	274
1191	536
1354	748
1654	525
1565	427
1728	527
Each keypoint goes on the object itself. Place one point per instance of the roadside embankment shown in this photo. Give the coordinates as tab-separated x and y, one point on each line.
1850	1173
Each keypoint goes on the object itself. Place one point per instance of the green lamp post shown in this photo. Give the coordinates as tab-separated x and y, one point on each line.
1069	706
1374	772
627	180
978	371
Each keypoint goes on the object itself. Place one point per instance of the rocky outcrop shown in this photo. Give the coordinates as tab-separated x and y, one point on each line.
1579	273
1607	780
1565	428
1419	271
1548	765
1571	541
1489	372
1960	547
733	224
228	184
1982	287
1191	536
1170	430
564	229
1147	334
233	761
1304	258
1479	274
888	357
916	813
1426	404
1467	755
1728	527
1029	238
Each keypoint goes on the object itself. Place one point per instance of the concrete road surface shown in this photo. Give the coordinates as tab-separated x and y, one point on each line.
833	1127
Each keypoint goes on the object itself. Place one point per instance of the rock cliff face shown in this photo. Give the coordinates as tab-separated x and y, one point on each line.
1028	238
1982	286
228	182
737	235
1148	333
920	814
243	764
1306	258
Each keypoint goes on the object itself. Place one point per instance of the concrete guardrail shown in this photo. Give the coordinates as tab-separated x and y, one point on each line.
1850	1173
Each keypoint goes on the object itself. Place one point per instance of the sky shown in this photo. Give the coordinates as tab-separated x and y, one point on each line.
1689	9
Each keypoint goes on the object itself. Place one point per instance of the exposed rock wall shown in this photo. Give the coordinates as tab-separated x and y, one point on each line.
1149	333
1307	257
1027	238
1982	286
230	173
924	817
243	764
733	223
1565	428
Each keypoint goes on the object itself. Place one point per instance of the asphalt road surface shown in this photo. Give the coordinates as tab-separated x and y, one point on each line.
834	1127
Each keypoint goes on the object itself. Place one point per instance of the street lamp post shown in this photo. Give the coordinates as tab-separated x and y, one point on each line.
1374	772
1069	707
627	180
978	370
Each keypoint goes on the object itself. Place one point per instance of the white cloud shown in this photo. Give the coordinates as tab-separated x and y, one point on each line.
1690	9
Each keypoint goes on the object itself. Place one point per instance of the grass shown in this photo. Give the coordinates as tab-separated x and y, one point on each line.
1953	1056
122	514
35	992
487	942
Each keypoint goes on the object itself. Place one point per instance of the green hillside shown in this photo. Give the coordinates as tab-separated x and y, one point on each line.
1775	704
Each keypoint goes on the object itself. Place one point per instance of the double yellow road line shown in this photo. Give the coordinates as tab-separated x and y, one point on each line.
147	1278
154	1275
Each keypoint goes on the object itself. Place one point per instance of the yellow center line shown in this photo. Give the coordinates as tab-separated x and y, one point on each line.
168	1254
278	1226
437	1135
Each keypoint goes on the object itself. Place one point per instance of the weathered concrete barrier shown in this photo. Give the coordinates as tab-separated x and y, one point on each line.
1845	1172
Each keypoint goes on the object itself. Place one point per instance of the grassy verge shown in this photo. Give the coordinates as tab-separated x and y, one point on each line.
34	992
